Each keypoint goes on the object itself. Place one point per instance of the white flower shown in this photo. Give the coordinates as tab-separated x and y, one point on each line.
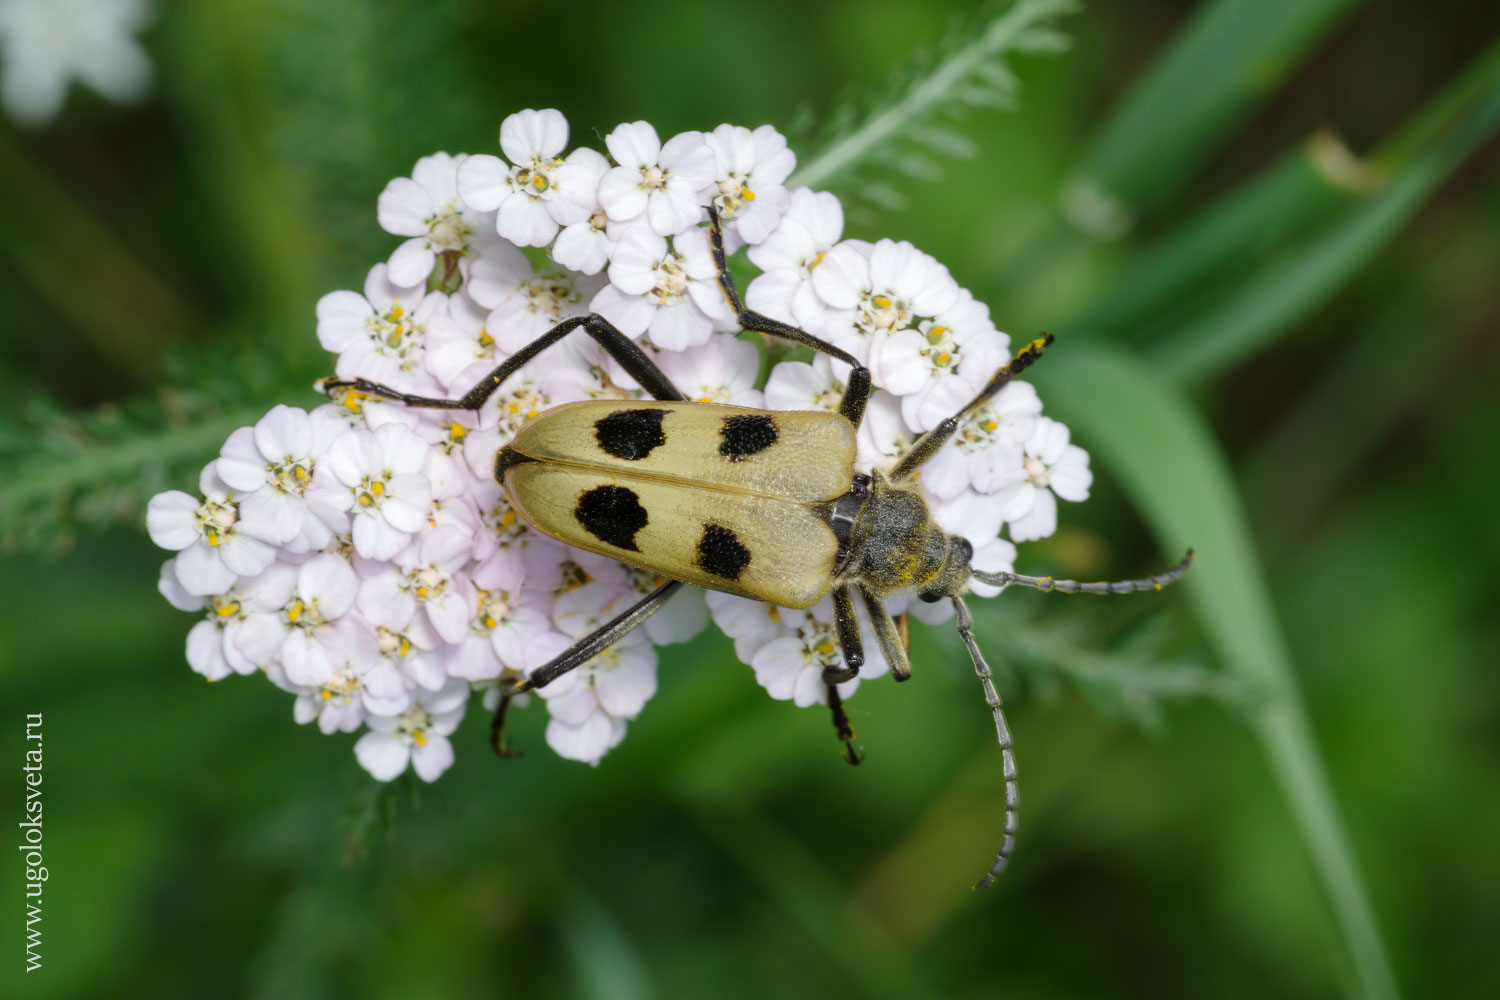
425	576
672	293
272	465
307	637
751	624
797	385
380	477
887	286
1052	466
45	43
883	436
720	371
213	645
586	703
417	737
462	351
985	451
790	667
960	340
541	191
426	207
524	305
380	335
367	685
215	545
811	227
504	635
666	183
751	167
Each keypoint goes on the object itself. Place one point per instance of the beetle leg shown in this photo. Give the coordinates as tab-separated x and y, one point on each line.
595	642
888	636
858	390
903	629
928	444
846	624
618	346
842	727
497	729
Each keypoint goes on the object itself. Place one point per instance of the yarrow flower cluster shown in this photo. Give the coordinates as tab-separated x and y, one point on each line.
361	556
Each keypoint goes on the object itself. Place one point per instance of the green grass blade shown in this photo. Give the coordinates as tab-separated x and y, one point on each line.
1190	265
1150	437
1297	281
1230	54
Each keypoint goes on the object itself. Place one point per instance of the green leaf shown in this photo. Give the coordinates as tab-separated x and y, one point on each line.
1230	54
1152	440
1298	280
1242	270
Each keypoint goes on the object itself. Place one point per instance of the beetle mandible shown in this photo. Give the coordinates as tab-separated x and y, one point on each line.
764	504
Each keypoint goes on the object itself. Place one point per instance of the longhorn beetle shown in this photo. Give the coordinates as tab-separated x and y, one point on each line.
760	503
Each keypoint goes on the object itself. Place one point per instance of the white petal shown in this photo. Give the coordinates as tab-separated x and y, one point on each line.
205	651
530	133
403	208
241	465
171	520
526	222
276	516
582	248
201	571
329	580
374	538
382	754
633	144
171	588
433	758
673	209
1070	477
630	313
412	261
689	160
483	182
841	275
587	742
621	195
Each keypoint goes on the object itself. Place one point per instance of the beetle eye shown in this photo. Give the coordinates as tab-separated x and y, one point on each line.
965	549
931	596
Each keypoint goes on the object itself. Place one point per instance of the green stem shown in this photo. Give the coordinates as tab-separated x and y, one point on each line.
937	87
43	482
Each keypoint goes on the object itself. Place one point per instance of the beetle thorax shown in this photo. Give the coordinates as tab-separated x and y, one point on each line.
896	546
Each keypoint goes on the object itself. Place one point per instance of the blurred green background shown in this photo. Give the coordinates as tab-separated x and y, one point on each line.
1288	360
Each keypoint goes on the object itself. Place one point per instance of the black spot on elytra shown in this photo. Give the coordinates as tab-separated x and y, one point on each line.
612	514
746	434
720	552
630	434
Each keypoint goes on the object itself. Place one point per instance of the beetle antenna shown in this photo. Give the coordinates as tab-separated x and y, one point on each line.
1047	584
1002	731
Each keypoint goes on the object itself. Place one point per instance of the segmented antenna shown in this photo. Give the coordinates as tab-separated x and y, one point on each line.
1002	731
1048	584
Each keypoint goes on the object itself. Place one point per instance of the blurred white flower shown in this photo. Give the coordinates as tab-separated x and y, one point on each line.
45	44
